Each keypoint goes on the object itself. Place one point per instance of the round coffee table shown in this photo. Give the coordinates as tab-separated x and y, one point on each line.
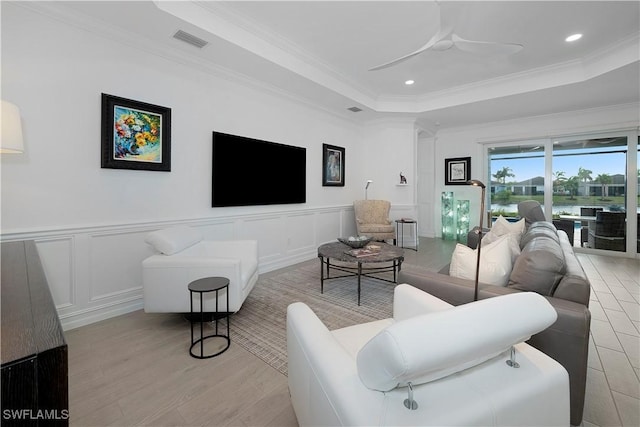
338	251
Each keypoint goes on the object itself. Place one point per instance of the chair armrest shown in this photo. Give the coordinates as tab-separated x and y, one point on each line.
409	301
566	340
323	379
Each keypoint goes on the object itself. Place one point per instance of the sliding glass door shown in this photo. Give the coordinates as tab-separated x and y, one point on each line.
590	186
586	180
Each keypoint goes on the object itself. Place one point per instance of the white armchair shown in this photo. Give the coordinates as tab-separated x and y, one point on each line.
184	257
454	358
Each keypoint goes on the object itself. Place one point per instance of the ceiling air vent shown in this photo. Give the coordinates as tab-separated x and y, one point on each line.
190	38
355	109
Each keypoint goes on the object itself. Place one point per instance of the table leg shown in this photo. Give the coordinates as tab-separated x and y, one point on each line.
191	315
359	276
217	311
228	320
321	275
395	265
201	326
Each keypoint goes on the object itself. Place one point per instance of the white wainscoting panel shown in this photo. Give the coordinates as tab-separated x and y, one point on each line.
301	233
95	272
115	260
56	255
329	226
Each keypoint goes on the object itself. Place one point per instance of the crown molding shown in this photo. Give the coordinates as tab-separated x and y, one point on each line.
582	129
61	13
209	18
625	52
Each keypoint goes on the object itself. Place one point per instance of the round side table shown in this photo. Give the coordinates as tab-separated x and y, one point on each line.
202	286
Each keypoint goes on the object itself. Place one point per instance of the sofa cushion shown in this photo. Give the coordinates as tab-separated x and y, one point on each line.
540	229
376	228
431	346
574	285
531	211
540	266
173	239
495	262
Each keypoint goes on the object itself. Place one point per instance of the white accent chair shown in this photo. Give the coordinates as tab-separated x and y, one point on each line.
454	357
183	256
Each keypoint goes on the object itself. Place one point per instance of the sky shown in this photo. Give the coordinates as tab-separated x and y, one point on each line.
609	163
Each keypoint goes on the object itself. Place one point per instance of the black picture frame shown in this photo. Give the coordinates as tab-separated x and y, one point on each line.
332	166
135	135
457	171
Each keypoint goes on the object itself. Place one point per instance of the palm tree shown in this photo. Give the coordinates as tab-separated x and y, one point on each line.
559	180
572	184
584	175
604	179
503	174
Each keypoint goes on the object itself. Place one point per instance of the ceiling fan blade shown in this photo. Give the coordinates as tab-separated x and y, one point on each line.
441	34
486	48
429	44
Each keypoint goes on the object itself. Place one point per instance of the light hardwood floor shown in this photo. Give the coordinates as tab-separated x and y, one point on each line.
135	369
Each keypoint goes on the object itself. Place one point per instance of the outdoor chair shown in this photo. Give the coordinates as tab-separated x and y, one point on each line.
608	231
584	225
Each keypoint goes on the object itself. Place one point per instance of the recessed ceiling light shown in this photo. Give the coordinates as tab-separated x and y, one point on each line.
573	37
409	82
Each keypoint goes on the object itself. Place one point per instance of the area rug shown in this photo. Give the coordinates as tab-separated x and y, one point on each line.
260	325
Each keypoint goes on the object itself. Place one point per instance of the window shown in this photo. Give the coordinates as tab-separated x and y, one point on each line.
516	173
580	178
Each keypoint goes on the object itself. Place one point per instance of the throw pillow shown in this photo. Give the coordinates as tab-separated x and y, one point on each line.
495	262
502	226
173	239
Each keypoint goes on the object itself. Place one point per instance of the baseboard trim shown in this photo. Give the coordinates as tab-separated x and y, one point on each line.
89	316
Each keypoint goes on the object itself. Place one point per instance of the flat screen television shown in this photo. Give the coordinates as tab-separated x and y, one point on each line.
250	172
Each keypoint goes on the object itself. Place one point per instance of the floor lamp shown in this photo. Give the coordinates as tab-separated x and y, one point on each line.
477	183
367	188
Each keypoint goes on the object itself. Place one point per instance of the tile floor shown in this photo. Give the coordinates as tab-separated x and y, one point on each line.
613	378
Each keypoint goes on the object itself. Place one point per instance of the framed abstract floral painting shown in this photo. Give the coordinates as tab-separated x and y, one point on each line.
135	135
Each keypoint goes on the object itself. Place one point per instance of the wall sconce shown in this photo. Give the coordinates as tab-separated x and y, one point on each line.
11	141
477	183
367	188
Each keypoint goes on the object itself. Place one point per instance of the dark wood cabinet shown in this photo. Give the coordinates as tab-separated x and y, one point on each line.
33	352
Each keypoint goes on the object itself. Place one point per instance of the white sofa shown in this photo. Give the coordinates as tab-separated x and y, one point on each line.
183	256
454	358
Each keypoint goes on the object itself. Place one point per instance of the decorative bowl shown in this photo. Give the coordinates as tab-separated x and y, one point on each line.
355	242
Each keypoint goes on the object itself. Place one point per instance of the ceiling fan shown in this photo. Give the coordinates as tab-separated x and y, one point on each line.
445	39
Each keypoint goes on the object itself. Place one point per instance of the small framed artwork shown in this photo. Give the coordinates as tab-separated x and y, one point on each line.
457	171
332	165
135	135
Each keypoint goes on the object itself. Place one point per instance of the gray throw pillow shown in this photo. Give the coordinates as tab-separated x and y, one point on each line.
531	211
539	268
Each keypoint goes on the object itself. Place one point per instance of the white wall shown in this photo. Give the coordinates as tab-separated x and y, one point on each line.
468	141
89	223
